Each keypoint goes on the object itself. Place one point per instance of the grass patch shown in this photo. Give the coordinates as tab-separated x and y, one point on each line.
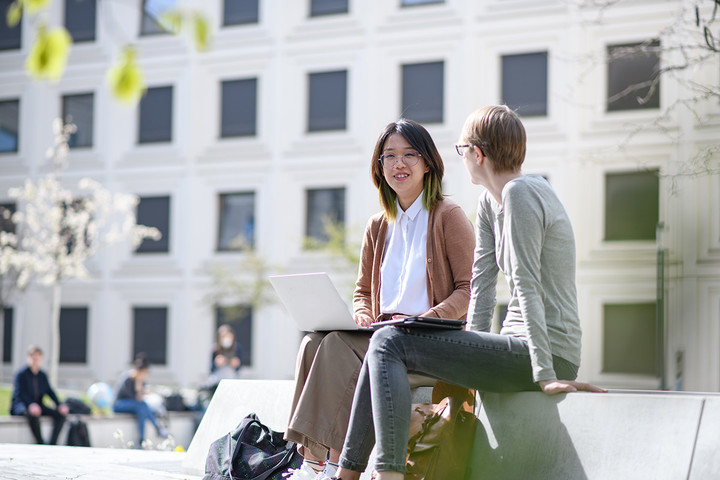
5	397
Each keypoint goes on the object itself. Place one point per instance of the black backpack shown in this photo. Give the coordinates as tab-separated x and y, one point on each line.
75	405
78	435
251	452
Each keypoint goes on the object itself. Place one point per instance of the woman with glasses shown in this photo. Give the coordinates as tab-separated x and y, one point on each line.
416	259
523	231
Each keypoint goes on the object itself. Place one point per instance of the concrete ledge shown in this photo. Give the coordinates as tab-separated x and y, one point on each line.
102	429
619	435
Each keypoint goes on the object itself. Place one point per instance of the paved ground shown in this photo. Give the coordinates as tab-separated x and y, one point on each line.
41	462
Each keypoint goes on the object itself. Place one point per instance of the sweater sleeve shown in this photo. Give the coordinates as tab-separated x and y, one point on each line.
362	296
524	217
484	270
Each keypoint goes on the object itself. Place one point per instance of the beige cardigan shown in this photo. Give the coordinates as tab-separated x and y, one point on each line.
449	258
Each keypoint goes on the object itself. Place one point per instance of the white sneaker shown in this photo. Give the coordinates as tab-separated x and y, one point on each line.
327	474
305	472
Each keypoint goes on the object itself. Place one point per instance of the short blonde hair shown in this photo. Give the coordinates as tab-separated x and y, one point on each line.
499	133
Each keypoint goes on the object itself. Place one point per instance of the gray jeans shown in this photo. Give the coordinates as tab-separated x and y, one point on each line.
483	361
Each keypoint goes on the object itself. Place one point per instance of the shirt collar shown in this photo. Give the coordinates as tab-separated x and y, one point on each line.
413	210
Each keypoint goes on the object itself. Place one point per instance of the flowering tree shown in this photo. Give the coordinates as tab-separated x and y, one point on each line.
57	230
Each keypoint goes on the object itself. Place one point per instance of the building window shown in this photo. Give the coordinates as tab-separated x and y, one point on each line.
78	109
73	334
238	108
422	92
406	3
328	101
629	342
152	21
9	125
325	209
524	83
327	7
8	335
6	212
240	12
239	317
237	221
632	69
632	205
150	333
10	37
155	212
156	115
80	19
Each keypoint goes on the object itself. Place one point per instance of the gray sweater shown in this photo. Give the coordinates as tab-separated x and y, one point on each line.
530	240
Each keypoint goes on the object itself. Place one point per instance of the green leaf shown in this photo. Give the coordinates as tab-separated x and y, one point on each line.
33	6
49	54
126	79
14	14
202	32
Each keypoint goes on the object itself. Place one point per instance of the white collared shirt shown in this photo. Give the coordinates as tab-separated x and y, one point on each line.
403	285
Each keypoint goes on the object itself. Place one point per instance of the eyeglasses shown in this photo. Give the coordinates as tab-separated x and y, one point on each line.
389	160
458	149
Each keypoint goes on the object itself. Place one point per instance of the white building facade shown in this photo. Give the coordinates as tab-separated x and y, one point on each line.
271	130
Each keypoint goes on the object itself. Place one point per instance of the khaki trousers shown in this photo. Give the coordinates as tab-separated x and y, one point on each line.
328	365
326	373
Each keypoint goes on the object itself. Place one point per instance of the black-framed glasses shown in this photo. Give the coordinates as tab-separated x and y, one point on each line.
458	149
389	160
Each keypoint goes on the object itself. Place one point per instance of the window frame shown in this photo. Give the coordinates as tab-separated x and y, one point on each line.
428	113
83	37
225	85
91	131
148	245
614	70
155	356
522	109
220	246
17	120
322	121
254	21
162	136
72	350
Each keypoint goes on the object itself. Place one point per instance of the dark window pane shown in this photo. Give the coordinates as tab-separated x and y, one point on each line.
78	109
324	206
9	36
152	21
150	333
156	115
8	335
327	7
155	212
422	92
6	212
405	3
631	68
237	221
80	19
239	12
239	108
629	343
9	125
328	101
73	334
524	83
239	317
631	205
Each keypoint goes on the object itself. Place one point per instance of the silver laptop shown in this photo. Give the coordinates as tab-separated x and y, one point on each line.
313	302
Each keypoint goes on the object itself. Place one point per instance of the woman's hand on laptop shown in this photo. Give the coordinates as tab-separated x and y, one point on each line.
363	320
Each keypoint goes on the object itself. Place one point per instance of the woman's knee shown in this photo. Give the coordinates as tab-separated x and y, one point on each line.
384	339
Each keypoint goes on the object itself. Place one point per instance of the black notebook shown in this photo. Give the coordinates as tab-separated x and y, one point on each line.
422	322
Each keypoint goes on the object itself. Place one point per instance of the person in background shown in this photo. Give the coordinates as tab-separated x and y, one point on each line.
521	230
130	391
30	386
415	259
226	354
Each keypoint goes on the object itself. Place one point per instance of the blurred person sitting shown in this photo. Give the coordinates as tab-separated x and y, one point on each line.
226	355
30	386
130	393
